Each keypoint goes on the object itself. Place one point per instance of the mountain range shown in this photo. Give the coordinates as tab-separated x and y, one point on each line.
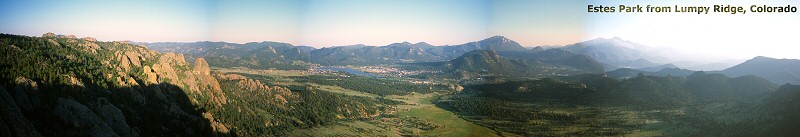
593	56
613	53
260	55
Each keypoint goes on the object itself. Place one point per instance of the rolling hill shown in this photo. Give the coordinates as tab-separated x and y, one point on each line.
775	70
479	63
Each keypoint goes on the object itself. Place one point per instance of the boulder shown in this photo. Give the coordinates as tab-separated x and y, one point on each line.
111	115
12	121
152	77
80	119
25	87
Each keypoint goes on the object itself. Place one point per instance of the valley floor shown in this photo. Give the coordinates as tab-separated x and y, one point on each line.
419	114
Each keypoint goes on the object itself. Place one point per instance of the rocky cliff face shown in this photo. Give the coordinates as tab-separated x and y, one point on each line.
152	68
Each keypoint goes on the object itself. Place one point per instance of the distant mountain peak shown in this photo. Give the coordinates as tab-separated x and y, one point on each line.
498	43
762	58
497	37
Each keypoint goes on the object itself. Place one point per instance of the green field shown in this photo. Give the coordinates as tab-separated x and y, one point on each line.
419	108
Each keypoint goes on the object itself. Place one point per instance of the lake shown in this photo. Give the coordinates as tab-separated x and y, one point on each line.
351	71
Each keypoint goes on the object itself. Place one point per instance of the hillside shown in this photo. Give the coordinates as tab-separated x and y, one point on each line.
558	57
58	85
624	73
487	61
782	108
494	64
778	71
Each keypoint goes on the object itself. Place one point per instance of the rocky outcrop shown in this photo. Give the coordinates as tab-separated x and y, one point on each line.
112	116
24	87
134	58
128	59
456	87
216	125
165	68
203	74
173	68
152	77
90	39
12	121
49	35
71	37
89	46
136	84
201	67
80	119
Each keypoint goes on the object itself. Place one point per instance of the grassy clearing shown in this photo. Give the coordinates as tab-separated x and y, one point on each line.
453	125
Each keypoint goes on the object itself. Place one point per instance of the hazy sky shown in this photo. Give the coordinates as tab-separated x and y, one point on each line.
322	23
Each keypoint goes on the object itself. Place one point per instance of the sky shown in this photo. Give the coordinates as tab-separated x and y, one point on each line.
324	23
